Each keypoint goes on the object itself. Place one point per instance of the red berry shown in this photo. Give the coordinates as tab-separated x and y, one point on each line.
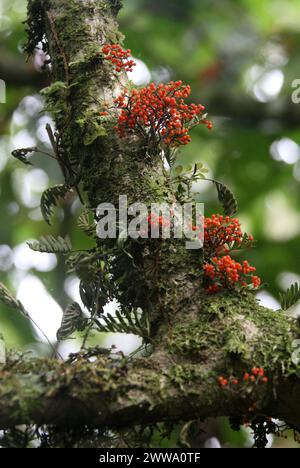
118	56
220	235
160	108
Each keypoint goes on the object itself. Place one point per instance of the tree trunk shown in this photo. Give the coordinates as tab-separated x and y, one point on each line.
194	338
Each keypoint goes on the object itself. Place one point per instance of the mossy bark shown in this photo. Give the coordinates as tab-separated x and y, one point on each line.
178	382
194	338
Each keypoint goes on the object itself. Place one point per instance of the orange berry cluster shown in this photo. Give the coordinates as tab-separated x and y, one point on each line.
222	234
225	382
225	272
118	57
160	112
257	375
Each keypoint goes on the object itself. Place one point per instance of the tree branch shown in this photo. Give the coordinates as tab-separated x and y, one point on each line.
170	385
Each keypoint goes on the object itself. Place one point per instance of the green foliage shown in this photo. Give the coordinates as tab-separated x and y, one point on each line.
130	321
2	351
245	244
51	244
8	299
56	87
73	320
50	199
227	199
184	176
56	96
290	297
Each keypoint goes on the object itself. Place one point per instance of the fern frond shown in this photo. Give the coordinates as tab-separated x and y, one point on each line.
72	320
227	199
128	322
50	199
290	297
51	244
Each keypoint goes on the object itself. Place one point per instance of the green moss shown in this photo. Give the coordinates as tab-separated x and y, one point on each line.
241	333
274	348
183	376
193	339
86	58
56	99
91	127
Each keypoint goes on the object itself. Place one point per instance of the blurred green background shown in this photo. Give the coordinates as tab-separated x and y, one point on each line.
241	58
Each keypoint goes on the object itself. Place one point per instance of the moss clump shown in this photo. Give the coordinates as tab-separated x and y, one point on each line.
195	340
86	59
56	99
246	334
91	127
183	376
275	347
